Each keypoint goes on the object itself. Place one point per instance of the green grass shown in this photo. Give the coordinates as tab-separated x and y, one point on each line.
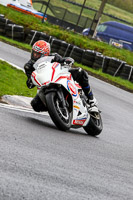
20	45
13	81
30	22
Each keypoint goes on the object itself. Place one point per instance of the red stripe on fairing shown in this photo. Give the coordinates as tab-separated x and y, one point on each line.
78	85
53	68
61	77
34	76
46	83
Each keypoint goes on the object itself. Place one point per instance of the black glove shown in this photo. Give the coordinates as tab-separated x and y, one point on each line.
28	67
29	83
58	59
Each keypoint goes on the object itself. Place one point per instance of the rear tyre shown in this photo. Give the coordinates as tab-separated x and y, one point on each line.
60	115
95	124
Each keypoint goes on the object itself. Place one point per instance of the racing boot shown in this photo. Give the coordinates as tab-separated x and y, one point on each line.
91	100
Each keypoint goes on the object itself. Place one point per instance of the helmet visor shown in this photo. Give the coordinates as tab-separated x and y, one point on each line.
35	55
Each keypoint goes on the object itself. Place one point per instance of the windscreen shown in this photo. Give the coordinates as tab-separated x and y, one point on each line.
43	59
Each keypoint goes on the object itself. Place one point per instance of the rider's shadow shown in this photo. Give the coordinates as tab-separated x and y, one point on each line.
47	122
51	125
80	131
41	122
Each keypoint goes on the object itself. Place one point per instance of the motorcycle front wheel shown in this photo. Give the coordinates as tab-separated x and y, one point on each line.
60	115
95	125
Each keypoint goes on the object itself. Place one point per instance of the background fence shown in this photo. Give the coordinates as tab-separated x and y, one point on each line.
68	13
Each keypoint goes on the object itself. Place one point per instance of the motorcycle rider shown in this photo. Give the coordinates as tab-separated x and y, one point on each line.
41	49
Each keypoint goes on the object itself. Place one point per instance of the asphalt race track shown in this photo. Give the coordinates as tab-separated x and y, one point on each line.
39	162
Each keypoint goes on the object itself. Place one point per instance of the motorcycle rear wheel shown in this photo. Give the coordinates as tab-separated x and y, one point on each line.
60	116
95	125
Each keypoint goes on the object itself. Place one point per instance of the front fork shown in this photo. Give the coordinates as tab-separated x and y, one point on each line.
59	92
61	98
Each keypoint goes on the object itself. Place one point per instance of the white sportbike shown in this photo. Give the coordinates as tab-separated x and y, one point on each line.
64	98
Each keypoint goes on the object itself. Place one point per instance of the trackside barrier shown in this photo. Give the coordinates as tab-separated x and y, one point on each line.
33	38
130	74
127	73
120	67
15	32
93	59
66	50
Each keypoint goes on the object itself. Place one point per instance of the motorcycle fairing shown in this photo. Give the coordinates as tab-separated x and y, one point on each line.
47	73
71	88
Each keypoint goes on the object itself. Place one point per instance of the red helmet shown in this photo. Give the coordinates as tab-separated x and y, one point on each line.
40	49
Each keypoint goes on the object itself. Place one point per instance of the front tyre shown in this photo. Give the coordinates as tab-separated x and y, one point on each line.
95	125
60	115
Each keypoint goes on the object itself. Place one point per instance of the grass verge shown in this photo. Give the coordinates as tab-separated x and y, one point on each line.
116	81
13	81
